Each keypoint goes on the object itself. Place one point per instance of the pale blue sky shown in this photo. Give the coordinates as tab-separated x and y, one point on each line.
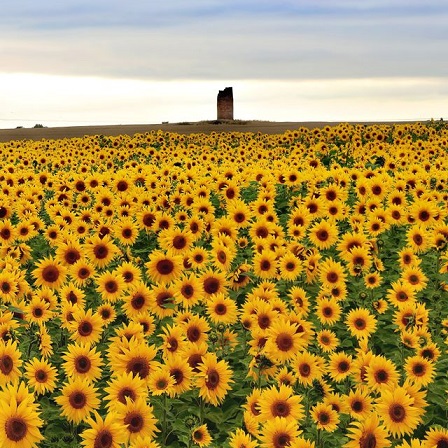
279	56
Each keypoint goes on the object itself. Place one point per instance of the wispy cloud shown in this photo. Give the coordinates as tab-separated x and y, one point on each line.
225	40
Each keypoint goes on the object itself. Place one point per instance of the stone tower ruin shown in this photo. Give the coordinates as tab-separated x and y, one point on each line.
225	104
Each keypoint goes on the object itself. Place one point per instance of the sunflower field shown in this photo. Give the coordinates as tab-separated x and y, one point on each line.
233	290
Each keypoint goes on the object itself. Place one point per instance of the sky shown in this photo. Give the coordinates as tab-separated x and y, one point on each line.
77	62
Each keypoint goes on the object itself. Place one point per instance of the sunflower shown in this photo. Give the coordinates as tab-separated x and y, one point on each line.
129	272
368	433
325	417
50	273
137	300
126	231
136	357
7	232
222	256
164	267
161	381
239	212
175	240
340	366
280	402
418	239
327	340
372	280
400	293
70	293
213	282
201	436
111	286
107	313
19	424
213	379
162	302
263	315
331	273
222	309
239	439
41	375
360	323
124	385
436	438
188	290
10	362
279	433
100	251
86	326
289	266
381	373
137	417
323	234
359	260
414	277
283	340
419	370
78	399
196	329
82	361
45	342
265	264
307	367
359	402
173	339
69	252
146	219
37	311
328	311
103	433
8	286
81	272
395	407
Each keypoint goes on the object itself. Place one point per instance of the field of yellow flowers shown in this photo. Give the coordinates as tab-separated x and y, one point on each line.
233	290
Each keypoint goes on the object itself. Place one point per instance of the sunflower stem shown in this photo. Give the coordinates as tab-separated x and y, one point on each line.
201	412
318	439
164	420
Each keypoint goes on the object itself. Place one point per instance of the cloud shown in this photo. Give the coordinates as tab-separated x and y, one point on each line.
249	39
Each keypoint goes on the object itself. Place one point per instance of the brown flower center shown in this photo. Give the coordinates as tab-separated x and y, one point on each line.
397	413
134	422
193	333
100	251
77	399
6	364
41	376
304	370
16	428
284	342
211	285
103	439
138	301
165	267
85	328
126	392
280	409
212	380
82	364
138	366
50	274
281	440
381	376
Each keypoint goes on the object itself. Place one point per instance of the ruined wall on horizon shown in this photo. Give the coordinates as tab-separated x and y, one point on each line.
225	104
